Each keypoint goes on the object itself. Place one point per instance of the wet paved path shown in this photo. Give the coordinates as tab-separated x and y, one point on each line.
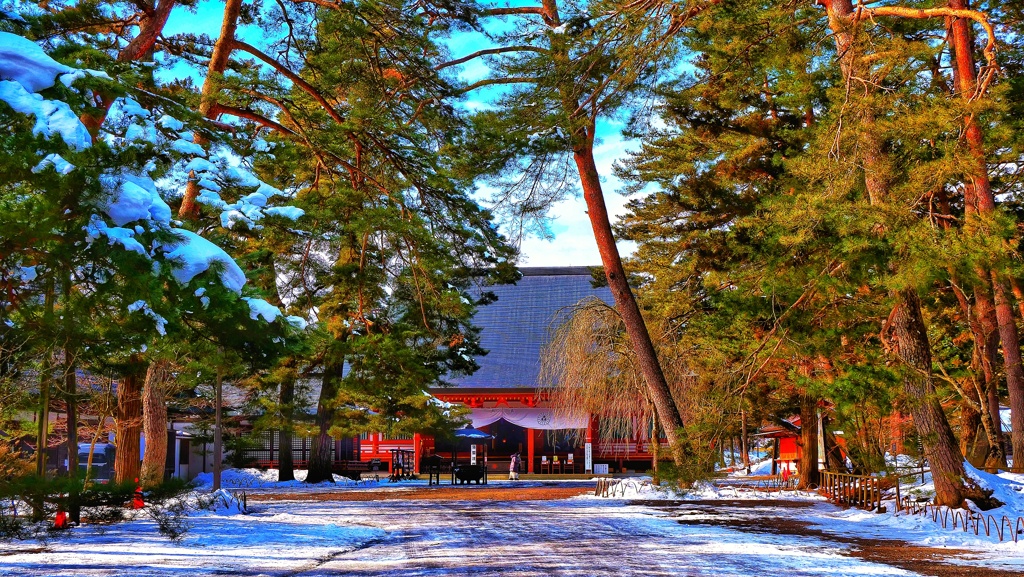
416	531
593	537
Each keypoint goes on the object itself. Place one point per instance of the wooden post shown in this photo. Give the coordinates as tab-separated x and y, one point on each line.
417	439
530	448
217	437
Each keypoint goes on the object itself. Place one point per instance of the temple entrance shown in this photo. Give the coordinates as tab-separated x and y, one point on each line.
508	439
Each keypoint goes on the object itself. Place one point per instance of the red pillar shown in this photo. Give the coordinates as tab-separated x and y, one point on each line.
529	450
417	448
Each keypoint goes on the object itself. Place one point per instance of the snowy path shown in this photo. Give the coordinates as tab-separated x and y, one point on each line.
578	537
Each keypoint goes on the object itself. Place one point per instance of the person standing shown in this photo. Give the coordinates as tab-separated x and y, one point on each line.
513	468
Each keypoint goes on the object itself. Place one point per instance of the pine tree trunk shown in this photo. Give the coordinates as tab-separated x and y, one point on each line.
973	437
208	97
151	25
988	322
744	443
647	358
940	446
582	130
71	398
218	424
154	418
128	424
908	327
320	453
809	474
996	440
980	202
286	457
1012	366
43	425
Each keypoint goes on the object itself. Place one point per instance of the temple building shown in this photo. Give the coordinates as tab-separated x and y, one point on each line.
503	395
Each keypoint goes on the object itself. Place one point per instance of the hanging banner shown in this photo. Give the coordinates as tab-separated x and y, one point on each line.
589	458
472	454
543	419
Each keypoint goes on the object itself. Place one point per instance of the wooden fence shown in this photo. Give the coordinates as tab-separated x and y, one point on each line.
617	487
854	490
966	520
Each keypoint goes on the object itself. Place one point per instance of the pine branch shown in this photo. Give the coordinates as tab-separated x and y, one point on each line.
305	86
494	81
521	10
981	18
151	26
489	51
218	109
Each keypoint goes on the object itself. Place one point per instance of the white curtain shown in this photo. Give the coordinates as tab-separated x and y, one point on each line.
546	419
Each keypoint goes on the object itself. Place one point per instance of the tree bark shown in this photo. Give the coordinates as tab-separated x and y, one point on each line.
988	321
973	442
285	455
208	98
744	447
218	425
979	202
940	446
320	452
154	418
128	423
809	474
43	425
151	21
909	334
71	399
625	302
1012	366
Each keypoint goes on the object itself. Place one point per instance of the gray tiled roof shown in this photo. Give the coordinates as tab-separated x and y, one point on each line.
516	327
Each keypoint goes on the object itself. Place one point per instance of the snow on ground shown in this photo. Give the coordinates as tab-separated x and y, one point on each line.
424	537
645	530
267	479
272	542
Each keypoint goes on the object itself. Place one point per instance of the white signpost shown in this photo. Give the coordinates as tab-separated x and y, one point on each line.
589	457
472	454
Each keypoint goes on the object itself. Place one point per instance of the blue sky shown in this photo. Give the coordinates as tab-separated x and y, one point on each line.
573	243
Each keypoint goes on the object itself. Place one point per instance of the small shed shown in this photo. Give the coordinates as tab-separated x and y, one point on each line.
787	449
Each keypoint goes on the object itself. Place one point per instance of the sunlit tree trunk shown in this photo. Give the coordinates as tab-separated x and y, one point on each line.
320	463
285	455
809	474
154	418
979	203
907	324
218	64
128	423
